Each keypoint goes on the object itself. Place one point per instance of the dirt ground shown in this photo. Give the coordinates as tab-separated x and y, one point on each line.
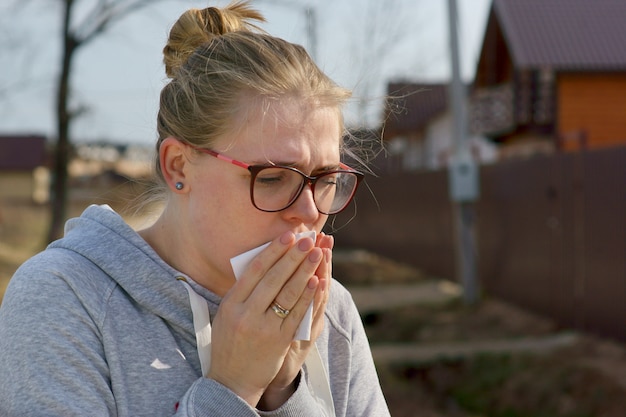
585	378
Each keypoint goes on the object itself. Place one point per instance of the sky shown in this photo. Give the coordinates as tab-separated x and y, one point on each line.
361	44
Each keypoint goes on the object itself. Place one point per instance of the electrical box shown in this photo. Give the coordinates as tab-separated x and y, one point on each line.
463	179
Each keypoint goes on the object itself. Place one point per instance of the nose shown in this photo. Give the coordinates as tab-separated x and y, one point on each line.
304	207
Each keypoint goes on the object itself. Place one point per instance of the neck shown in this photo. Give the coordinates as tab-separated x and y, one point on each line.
169	245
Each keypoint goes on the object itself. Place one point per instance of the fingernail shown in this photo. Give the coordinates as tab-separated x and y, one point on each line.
286	238
313	282
305	244
315	256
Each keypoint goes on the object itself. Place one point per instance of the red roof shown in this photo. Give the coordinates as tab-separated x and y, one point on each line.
22	152
564	34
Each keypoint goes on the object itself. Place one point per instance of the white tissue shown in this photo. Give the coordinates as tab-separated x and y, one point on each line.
239	264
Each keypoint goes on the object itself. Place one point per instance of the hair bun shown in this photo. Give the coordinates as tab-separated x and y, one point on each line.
196	27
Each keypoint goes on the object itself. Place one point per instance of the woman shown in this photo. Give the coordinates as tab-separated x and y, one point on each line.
112	322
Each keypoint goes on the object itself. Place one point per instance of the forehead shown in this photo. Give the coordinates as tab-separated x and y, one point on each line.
291	128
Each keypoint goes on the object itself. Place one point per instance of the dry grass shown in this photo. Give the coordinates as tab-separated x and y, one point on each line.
584	378
24	225
22	234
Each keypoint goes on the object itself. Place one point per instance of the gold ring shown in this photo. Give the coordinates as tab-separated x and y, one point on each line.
280	310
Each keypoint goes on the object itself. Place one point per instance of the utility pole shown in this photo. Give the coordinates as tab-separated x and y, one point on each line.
311	30
462	171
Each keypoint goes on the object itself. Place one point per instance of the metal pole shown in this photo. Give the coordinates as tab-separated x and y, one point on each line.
456	90
463	172
311	26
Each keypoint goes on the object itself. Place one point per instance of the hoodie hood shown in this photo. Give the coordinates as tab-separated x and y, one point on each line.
102	236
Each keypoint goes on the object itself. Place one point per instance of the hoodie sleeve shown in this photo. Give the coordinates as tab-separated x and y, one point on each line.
353	377
365	397
51	358
208	398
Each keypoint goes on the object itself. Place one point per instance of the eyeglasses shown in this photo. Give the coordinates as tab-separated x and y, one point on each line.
274	188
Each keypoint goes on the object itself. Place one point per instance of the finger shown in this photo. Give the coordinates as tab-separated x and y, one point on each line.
325	267
291	323
259	265
292	290
319	308
325	241
298	264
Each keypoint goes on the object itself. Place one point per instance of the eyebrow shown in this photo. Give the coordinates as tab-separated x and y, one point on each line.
329	168
326	168
291	164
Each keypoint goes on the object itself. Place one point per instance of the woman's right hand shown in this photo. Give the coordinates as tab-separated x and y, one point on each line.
249	340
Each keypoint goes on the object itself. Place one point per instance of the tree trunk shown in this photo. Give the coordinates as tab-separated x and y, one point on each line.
59	188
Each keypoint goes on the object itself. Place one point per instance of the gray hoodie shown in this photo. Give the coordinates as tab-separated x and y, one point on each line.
98	325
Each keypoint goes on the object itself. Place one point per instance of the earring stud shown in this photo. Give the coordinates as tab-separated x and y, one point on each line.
179	186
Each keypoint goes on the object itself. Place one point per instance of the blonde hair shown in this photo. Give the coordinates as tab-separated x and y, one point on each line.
216	57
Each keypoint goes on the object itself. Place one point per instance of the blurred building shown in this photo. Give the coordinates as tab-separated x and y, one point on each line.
552	75
418	129
22	160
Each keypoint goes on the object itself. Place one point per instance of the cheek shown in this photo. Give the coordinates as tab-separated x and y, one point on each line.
218	193
222	212
219	208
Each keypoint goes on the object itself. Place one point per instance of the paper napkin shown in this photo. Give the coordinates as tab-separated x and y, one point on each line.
239	264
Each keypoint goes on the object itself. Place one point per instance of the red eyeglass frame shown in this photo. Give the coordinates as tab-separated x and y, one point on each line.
310	180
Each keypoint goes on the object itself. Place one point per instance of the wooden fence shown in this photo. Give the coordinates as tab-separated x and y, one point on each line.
550	232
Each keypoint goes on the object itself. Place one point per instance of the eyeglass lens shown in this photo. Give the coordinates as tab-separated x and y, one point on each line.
276	188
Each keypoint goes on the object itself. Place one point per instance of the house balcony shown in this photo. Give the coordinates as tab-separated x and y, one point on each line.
492	110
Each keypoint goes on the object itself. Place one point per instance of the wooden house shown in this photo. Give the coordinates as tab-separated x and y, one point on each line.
552	74
418	128
20	157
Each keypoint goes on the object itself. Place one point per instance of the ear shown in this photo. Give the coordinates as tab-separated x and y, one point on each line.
173	162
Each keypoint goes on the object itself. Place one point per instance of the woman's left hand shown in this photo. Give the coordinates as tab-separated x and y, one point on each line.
284	384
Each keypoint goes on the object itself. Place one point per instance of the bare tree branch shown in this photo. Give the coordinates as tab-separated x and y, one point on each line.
382	28
75	35
103	14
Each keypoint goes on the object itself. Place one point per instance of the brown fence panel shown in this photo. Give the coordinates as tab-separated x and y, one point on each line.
550	230
600	276
514	234
404	216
